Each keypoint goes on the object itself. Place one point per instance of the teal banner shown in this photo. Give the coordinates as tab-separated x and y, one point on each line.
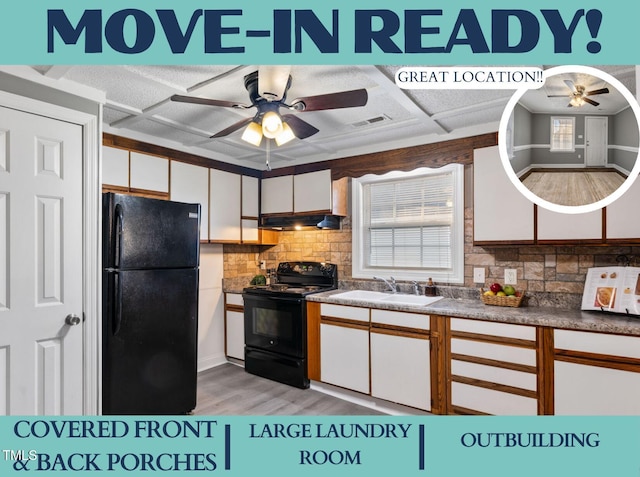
327	32
338	446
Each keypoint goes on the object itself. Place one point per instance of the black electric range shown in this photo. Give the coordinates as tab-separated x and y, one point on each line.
275	321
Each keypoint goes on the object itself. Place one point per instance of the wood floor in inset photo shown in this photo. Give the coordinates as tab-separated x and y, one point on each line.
573	188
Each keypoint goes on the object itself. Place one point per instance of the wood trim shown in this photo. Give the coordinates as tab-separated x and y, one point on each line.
601	360
494	363
440	360
495	386
115	189
313	341
500	340
173	154
344	322
535	223
404	331
544	362
604	223
340	197
152	194
503	243
237	308
571	242
464	411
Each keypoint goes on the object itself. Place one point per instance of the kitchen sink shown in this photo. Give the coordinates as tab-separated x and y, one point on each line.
382	297
411	299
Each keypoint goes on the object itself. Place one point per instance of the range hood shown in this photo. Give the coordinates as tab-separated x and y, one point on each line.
293	222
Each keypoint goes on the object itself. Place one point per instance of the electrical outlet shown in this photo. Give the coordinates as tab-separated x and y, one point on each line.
478	275
510	276
263	265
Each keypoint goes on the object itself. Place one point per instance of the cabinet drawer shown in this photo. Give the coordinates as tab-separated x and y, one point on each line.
490	401
615	345
504	330
509	354
346	312
398	318
508	377
235	299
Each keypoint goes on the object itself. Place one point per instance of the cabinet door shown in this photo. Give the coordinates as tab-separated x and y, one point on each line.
344	357
250	232
619	225
190	184
149	172
555	226
224	206
115	167
593	390
312	191
277	195
250	197
400	369
234	329
500	211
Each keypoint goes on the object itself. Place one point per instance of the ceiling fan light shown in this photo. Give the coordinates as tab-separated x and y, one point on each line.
253	134
271	125
285	136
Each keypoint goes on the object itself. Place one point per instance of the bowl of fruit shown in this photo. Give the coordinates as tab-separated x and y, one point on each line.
500	295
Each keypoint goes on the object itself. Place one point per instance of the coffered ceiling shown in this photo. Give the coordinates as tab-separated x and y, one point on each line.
138	106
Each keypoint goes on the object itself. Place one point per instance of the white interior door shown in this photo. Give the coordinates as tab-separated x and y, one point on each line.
595	141
41	269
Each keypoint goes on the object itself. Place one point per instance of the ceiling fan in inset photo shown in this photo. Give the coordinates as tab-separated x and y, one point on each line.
579	95
267	90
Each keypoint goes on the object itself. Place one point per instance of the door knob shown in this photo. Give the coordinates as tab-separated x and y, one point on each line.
72	320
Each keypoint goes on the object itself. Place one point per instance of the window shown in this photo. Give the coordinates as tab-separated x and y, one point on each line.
410	225
562	134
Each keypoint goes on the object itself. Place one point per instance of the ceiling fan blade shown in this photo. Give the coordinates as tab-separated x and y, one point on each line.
273	81
556	96
570	85
590	101
344	99
207	102
597	91
300	128
232	128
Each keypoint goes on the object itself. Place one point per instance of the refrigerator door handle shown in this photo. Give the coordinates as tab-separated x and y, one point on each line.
117	319
119	224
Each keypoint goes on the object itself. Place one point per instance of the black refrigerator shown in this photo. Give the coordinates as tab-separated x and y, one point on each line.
150	305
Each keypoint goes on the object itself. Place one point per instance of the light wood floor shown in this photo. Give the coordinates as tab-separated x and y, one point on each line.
229	390
573	188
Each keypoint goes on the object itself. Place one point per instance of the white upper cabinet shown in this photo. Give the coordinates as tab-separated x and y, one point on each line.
224	206
115	166
312	191
556	226
500	212
149	172
190	183
277	195
619	222
250	197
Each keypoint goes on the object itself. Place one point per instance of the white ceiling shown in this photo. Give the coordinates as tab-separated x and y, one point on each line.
538	101
138	107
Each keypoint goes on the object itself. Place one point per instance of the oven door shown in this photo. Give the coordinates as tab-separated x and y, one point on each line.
275	324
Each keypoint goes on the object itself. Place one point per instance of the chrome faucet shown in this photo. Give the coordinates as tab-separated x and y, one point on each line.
391	283
416	287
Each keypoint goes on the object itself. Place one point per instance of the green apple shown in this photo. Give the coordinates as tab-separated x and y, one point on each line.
509	290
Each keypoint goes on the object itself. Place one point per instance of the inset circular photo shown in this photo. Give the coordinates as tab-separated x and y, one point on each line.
572	145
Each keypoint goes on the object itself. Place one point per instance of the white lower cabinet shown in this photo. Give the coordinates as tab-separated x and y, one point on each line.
400	369
234	327
593	390
586	381
344	356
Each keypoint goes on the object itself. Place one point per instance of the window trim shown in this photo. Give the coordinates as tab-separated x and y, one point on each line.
573	136
456	273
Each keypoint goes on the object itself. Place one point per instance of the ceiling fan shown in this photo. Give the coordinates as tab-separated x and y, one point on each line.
267	90
578	95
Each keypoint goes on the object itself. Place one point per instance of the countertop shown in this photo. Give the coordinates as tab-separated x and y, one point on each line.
570	319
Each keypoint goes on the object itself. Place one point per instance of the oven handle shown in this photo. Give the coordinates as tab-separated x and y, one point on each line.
264	298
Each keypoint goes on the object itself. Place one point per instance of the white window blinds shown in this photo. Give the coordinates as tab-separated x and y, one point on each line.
408	222
562	133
